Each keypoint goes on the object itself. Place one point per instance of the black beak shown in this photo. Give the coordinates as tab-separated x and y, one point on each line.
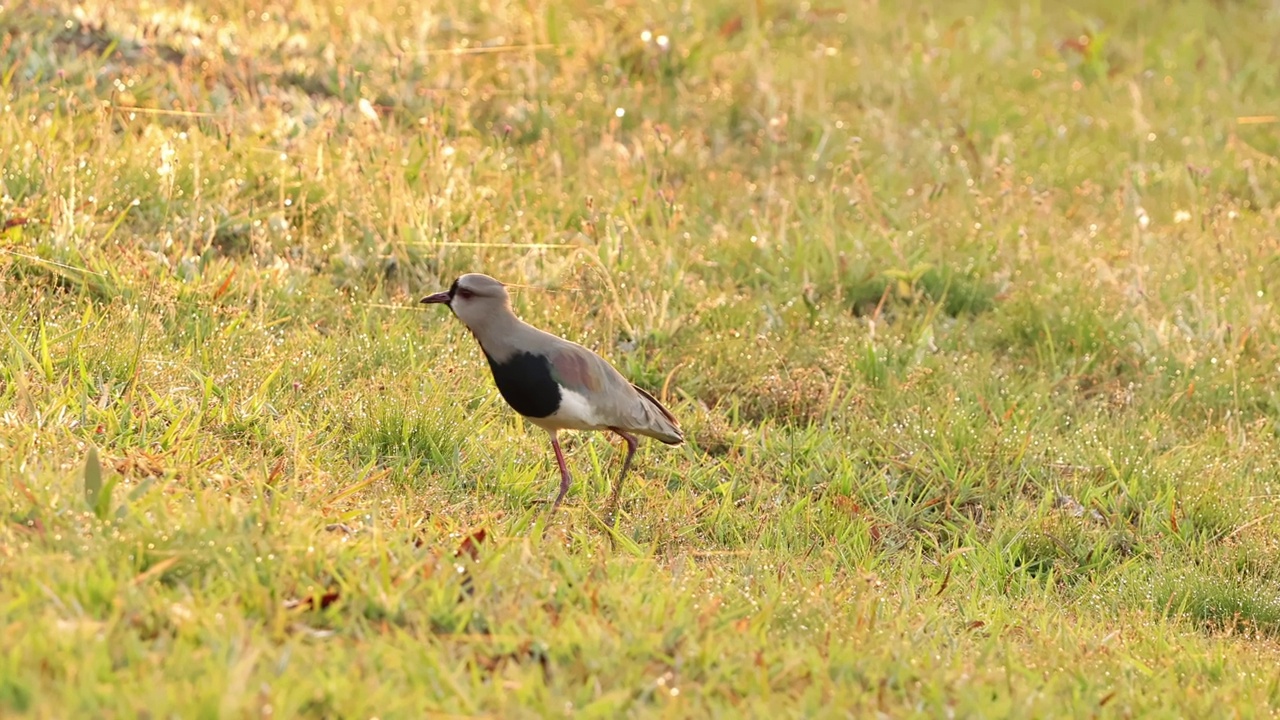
440	297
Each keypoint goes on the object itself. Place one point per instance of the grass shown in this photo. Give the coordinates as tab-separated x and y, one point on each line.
968	312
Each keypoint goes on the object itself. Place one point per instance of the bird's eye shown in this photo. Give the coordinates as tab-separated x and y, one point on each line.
465	294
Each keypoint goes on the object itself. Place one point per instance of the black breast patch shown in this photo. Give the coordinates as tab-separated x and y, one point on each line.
526	384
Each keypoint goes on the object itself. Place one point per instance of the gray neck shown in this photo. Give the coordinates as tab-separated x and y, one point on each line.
502	335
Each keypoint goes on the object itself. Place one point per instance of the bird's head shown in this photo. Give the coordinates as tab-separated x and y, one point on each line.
475	299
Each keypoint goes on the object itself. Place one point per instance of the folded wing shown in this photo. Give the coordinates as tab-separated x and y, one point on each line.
616	402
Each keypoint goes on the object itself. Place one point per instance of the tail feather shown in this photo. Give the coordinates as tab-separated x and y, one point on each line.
660	424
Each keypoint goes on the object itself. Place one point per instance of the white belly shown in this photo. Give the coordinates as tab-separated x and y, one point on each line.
575	413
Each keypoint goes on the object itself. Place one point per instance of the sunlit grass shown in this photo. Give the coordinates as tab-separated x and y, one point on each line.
967	312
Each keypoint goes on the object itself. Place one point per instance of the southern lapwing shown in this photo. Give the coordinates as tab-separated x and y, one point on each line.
556	384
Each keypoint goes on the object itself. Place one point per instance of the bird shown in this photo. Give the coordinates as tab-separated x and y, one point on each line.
554	383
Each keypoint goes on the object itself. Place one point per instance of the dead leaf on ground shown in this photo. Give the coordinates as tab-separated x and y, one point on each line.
313	602
471	548
471	544
139	464
527	651
226	283
847	504
731	27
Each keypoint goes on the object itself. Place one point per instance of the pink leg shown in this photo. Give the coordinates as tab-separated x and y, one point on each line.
564	471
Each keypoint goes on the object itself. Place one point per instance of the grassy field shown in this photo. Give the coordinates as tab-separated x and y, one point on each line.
968	310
